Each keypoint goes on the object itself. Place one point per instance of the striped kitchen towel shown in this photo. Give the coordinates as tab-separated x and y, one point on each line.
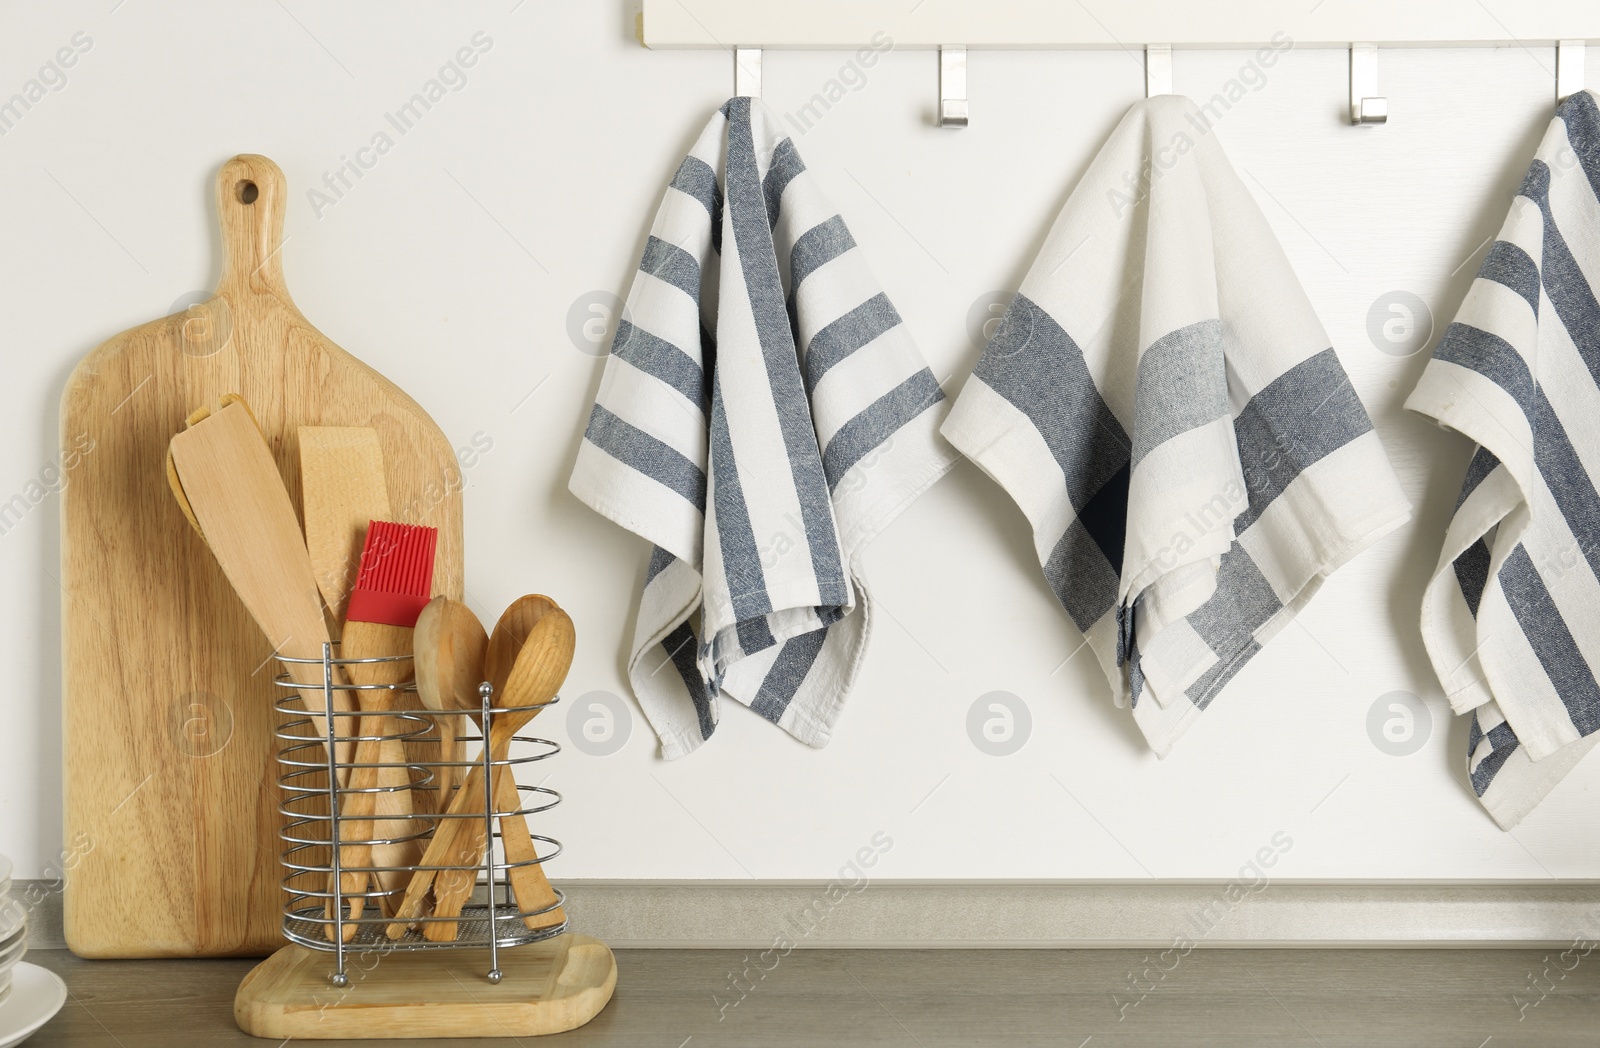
763	414
1163	405
1511	616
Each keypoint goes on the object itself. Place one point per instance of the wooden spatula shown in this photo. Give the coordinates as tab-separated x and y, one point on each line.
342	490
342	477
228	485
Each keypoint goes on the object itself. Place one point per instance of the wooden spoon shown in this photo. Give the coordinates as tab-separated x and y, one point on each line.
503	663
528	882
449	649
537	672
510	635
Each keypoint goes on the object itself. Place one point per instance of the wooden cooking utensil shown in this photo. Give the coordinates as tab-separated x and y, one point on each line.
540	667
528	883
342	474
449	647
450	658
228	486
342	488
532	887
517	631
396	576
510	634
167	693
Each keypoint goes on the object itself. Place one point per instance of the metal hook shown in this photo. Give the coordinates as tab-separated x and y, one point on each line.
1569	69
952	86
1366	105
747	71
1157	70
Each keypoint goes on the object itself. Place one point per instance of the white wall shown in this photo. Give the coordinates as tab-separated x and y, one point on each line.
453	265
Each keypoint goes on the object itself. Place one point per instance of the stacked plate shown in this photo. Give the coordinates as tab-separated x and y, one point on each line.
29	995
13	929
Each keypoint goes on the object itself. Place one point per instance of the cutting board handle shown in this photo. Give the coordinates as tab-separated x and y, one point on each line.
251	192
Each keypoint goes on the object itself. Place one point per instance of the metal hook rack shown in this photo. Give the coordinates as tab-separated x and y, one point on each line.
747	71
1157	70
1359	27
952	86
1569	69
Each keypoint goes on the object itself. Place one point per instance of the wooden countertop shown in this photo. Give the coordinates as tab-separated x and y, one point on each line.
929	998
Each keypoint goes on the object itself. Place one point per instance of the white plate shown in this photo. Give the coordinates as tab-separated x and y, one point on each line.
6	943
13	919
37	994
12	954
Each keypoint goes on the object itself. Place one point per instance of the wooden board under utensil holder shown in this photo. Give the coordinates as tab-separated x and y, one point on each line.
167	683
546	987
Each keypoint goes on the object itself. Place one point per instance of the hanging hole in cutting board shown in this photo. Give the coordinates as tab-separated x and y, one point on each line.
247	192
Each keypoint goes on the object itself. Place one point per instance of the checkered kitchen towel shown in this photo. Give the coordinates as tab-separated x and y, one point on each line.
1163	405
764	413
1511	616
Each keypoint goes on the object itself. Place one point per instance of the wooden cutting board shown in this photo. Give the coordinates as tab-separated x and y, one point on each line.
171	772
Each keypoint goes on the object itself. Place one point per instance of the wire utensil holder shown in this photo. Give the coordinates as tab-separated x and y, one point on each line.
315	790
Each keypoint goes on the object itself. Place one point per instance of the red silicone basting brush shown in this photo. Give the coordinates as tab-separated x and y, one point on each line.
393	585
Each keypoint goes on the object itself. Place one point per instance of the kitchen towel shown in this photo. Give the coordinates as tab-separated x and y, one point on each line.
763	414
1511	616
1164	406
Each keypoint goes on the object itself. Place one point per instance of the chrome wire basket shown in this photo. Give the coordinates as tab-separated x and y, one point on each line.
316	793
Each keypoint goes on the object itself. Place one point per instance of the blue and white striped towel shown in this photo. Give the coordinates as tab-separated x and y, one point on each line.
1511	616
1163	405
763	414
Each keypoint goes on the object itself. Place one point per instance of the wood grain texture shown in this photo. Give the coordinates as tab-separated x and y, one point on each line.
528	882
451	655
372	640
543	637
449	646
227	482
547	987
948	999
167	683
342	490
